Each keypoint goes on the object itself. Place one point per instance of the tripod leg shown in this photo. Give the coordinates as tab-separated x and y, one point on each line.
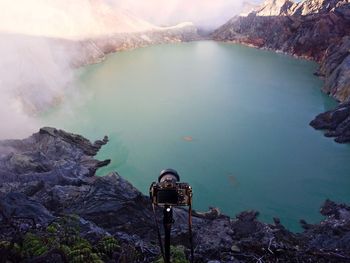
167	221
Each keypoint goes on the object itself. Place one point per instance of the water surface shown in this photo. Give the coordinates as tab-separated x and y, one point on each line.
232	120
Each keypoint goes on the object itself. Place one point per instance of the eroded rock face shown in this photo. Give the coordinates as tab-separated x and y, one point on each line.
336	122
110	205
335	69
289	28
312	29
51	156
19	205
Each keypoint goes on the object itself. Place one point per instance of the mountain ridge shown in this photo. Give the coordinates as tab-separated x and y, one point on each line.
318	30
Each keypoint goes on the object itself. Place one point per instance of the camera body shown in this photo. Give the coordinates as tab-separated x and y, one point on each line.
169	192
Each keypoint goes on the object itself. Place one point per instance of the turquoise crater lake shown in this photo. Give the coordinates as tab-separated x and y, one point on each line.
232	120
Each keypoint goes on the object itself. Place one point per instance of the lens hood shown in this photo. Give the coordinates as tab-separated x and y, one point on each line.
167	172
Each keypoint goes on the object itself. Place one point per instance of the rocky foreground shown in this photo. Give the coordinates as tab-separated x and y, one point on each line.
54	209
314	29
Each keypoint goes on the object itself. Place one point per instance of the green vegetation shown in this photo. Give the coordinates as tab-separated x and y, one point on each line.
33	246
177	255
61	237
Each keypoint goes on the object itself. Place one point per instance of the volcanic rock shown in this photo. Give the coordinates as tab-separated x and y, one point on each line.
110	205
312	29
336	122
17	205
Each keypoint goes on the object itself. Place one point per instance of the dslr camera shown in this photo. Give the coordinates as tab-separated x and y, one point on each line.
169	191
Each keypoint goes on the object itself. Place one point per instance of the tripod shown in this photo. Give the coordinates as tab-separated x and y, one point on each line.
166	193
168	220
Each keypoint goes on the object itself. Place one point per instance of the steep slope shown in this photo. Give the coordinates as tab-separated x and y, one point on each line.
313	29
274	8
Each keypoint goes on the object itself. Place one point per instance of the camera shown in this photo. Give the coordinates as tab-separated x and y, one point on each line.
169	191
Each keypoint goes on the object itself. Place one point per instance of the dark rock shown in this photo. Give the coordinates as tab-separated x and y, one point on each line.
109	205
336	121
331	119
305	225
91	231
115	205
52	155
213	213
332	233
248	216
17	205
246	224
103	163
277	221
329	208
100	143
73	139
337	211
32	188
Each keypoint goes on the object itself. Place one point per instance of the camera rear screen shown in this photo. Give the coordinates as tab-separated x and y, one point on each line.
169	196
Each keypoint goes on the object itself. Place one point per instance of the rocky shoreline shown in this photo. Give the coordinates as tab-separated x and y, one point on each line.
317	30
49	178
336	122
94	50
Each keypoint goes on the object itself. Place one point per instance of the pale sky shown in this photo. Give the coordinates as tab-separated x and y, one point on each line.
168	12
34	72
67	18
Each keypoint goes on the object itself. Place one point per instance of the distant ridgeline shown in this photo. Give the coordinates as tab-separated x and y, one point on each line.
312	29
54	209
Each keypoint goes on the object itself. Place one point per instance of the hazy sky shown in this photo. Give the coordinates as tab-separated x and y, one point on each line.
35	72
67	18
166	12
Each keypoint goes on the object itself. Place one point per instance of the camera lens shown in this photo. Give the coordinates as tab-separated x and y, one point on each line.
168	175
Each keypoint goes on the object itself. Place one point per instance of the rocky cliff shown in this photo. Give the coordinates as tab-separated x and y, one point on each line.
94	50
54	208
312	29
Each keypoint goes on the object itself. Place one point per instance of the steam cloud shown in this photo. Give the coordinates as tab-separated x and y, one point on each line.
204	13
35	65
34	76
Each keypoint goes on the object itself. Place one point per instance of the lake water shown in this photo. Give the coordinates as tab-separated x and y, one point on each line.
232	120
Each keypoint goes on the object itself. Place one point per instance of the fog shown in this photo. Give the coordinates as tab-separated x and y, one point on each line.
204	13
35	66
